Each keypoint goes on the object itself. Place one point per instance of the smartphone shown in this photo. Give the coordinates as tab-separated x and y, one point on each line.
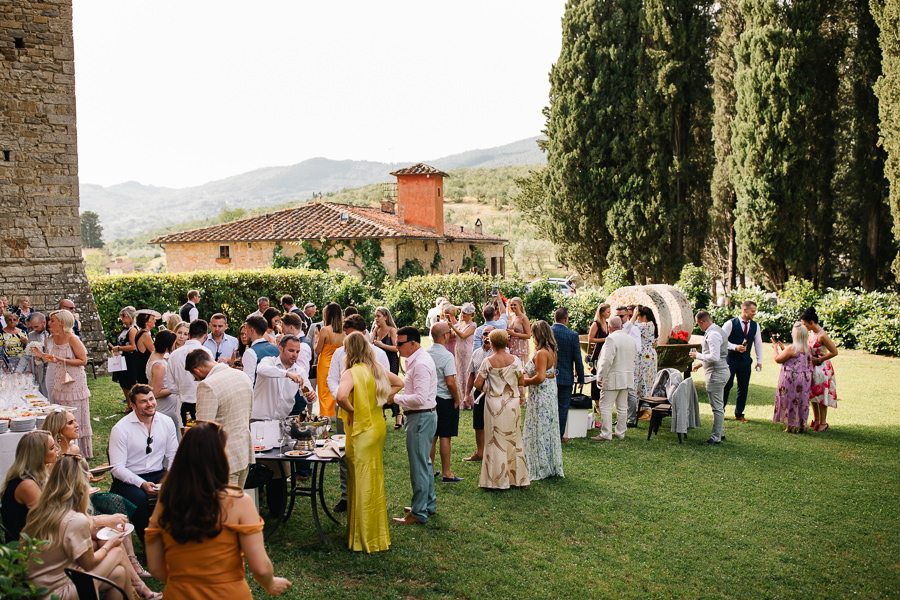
495	291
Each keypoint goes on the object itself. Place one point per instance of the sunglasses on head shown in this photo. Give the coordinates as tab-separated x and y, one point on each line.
403	342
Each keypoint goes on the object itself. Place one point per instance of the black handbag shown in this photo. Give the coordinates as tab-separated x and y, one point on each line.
258	476
579	400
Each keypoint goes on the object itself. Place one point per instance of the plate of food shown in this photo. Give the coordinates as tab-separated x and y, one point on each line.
108	532
298	453
94	490
261	448
340	438
100	470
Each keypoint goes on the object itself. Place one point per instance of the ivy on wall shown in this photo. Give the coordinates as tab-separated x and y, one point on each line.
477	259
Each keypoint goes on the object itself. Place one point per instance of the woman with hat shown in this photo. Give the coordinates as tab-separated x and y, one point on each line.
462	331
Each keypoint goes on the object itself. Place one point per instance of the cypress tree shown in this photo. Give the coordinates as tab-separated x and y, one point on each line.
591	127
730	26
783	139
887	16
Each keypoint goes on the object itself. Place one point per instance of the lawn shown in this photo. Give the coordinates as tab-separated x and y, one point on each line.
764	515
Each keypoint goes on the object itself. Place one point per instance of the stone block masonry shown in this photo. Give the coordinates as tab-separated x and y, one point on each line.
40	231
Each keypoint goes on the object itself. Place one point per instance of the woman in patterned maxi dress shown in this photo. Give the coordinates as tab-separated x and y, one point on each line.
792	397
823	392
540	436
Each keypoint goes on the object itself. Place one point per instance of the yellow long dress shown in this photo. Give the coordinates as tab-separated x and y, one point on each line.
326	400
367	521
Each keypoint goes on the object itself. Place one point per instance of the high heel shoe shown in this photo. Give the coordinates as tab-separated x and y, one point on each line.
142	592
138	569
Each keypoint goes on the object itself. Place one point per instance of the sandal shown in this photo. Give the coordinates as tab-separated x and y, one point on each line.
138	569
146	593
397	425
821	426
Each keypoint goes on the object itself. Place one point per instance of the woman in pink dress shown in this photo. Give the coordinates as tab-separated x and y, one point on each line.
462	332
70	388
823	392
792	396
519	330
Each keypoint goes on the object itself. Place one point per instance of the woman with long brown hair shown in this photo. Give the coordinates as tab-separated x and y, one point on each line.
329	339
364	386
203	528
540	435
35	454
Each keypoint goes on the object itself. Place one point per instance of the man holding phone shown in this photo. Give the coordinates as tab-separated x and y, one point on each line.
490	313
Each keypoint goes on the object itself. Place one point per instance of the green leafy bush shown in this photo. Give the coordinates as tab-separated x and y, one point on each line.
14	560
841	312
754	293
796	296
411	268
232	293
695	284
720	314
614	277
879	335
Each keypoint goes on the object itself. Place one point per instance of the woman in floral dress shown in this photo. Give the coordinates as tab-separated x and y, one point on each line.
823	392
463	332
540	436
645	365
792	397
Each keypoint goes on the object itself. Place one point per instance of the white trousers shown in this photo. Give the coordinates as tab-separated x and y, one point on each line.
609	398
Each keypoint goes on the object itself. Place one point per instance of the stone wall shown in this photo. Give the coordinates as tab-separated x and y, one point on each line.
40	231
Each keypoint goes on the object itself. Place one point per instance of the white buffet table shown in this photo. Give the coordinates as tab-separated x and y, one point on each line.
8	443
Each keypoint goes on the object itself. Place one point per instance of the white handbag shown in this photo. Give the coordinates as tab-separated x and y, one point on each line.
116	363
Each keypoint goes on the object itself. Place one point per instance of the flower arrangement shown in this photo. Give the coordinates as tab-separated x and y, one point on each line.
680	337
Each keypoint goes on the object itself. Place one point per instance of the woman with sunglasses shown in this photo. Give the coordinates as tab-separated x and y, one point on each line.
202	528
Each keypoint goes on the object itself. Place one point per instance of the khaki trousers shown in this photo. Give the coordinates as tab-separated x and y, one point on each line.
608	399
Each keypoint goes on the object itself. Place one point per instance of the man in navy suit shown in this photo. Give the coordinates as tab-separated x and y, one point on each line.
568	353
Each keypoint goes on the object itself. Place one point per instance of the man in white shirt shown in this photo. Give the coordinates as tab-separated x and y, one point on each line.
142	446
279	379
219	343
628	326
482	352
446	399
259	348
179	382
333	381
262	305
434	314
292	324
715	367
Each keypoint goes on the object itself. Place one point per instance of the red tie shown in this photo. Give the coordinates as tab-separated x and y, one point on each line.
746	325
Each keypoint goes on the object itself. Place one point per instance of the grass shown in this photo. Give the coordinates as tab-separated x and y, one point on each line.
764	515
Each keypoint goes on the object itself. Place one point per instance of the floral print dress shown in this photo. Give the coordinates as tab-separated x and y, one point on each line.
792	397
540	436
824	385
645	365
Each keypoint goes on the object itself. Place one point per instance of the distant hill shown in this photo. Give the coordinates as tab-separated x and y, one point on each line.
129	209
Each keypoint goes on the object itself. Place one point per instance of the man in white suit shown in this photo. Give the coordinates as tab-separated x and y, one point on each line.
616	374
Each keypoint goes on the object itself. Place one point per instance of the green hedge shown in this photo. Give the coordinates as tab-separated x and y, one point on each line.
232	293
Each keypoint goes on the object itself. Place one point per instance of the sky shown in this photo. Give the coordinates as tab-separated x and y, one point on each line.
179	93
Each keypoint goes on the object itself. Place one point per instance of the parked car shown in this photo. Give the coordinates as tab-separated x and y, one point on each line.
564	286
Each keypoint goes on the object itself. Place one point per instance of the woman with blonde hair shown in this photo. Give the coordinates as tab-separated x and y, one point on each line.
35	453
61	424
448	314
203	529
329	339
540	436
365	386
794	381
182	333
70	388
61	518
172	320
384	336
13	343
504	458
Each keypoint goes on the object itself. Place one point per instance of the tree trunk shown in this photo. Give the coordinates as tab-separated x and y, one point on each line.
870	274
732	259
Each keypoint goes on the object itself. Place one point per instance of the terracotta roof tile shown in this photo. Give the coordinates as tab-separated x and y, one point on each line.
420	169
316	220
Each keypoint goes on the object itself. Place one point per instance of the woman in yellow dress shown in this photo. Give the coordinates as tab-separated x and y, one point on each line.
365	387
329	339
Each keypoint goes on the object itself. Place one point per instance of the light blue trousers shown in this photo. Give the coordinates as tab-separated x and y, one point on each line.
420	429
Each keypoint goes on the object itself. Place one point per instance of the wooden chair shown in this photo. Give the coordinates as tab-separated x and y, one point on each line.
85	584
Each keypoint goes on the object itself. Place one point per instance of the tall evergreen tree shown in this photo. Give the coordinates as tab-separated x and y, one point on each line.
673	142
91	230
887	15
730	24
783	138
863	213
591	128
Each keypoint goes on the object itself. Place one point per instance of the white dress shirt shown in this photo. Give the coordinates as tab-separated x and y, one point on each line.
336	369
714	345
634	331
273	394
223	349
193	313
757	341
179	382
305	356
249	359
128	447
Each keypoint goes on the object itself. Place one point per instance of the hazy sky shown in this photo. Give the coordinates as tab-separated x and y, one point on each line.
178	93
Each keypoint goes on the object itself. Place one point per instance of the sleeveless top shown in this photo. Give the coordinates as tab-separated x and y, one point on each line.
140	360
518	347
12	512
393	357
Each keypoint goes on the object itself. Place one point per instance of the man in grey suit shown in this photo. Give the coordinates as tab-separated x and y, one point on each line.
616	374
714	361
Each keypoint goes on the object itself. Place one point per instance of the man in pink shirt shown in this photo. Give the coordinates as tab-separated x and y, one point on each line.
418	402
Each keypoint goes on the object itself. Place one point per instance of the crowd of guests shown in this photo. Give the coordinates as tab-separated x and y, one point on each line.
180	457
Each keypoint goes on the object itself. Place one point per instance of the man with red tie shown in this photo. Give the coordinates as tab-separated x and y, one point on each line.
740	333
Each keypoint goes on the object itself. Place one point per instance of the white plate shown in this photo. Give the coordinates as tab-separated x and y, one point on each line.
94	490
261	448
300	453
108	532
339	438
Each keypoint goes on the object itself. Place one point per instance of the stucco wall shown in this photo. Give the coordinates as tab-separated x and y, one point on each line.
420	201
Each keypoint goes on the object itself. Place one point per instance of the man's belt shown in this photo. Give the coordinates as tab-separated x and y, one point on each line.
415	412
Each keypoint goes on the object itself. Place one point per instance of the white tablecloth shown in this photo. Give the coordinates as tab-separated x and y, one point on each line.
8	443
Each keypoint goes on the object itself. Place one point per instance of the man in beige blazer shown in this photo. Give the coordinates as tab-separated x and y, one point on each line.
225	395
616	374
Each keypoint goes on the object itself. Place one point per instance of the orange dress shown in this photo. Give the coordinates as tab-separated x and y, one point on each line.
326	400
207	570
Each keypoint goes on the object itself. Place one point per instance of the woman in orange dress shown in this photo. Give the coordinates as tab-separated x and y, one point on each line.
203	528
330	338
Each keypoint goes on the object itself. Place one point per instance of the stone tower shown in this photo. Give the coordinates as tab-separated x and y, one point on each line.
40	230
